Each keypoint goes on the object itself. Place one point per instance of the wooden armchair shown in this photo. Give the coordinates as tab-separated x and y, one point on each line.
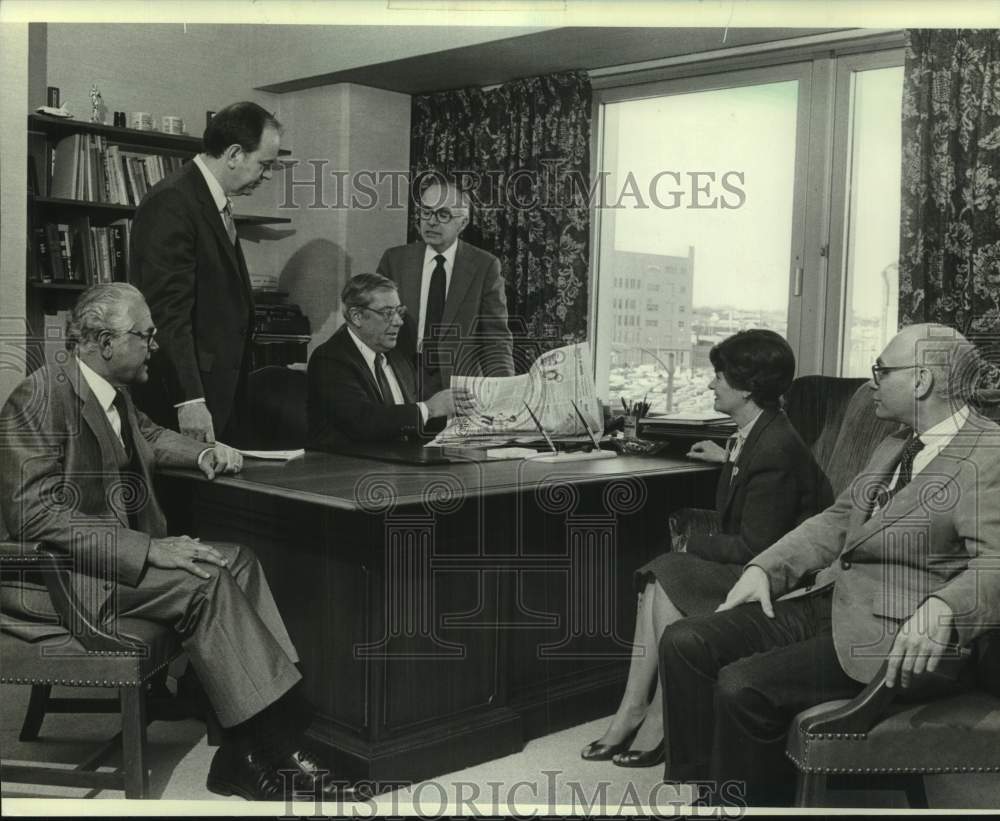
76	652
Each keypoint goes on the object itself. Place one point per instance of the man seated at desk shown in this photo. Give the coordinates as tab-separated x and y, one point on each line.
69	432
361	389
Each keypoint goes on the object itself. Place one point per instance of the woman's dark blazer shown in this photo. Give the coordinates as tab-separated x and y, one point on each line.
774	485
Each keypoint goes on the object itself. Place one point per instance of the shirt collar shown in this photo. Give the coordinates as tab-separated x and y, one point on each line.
946	428
102	389
448	254
366	352
214	186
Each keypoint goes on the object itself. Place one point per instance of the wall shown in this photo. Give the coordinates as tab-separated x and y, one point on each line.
342	128
13	202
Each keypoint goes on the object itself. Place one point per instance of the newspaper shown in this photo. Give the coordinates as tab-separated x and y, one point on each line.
556	380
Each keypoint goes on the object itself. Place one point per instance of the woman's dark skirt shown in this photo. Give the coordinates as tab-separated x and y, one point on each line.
694	585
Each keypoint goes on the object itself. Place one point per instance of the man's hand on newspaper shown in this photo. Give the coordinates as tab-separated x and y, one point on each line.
451	402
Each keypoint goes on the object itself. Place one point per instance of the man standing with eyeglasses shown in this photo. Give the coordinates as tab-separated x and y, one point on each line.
361	388
905	564
187	260
458	323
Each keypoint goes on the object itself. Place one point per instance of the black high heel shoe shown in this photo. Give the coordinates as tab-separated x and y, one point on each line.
641	758
605	752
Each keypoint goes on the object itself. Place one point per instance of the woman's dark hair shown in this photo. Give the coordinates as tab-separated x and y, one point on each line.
239	123
758	361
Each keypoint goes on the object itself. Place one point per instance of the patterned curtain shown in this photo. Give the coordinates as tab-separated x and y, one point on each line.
523	152
950	228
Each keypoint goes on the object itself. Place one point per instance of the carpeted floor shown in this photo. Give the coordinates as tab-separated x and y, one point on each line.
547	777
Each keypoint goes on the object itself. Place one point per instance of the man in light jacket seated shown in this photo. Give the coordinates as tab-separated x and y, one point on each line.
361	389
909	561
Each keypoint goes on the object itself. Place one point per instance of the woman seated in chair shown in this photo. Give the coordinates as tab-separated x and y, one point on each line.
768	485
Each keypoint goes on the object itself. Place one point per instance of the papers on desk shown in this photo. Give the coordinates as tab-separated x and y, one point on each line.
273	455
501	414
690	418
510	453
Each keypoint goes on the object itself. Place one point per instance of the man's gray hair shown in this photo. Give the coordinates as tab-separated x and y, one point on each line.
101	307
358	291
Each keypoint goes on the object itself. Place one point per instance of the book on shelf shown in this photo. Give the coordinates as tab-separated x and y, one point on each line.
86	167
79	252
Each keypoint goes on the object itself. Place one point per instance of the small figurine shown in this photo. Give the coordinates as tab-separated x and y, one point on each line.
96	105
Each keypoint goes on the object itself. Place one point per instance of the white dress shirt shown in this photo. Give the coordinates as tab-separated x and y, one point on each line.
390	375
425	282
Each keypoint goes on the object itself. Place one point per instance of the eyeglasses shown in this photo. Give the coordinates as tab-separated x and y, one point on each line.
148	336
444	215
878	371
266	167
388	313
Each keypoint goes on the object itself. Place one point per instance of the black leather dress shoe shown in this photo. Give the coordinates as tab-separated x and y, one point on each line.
248	775
640	758
304	773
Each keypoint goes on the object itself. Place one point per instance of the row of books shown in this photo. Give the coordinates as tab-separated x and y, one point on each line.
86	167
80	252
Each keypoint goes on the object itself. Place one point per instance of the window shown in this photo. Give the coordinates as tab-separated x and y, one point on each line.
793	227
652	323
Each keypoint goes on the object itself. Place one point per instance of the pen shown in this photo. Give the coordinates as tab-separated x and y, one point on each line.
540	428
586	427
624	405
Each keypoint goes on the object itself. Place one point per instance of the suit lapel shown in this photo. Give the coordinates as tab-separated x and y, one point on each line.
461	280
353	355
210	214
746	454
97	420
403	370
409	279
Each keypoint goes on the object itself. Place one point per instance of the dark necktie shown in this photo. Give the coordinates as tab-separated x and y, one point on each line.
383	381
435	298
122	409
912	447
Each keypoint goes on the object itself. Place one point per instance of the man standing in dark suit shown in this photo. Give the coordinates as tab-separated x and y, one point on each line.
76	470
456	292
361	389
906	560
187	261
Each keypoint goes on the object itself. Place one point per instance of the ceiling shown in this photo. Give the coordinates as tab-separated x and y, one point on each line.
539	53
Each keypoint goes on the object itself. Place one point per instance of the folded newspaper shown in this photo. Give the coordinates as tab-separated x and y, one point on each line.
500	415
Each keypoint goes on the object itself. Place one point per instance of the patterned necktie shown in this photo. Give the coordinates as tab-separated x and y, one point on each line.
912	447
383	381
227	218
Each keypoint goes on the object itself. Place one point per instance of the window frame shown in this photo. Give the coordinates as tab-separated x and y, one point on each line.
817	276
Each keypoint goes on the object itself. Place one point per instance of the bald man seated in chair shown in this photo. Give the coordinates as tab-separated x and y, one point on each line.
361	388
907	560
76	469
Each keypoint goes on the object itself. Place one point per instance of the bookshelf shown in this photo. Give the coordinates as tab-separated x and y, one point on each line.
90	233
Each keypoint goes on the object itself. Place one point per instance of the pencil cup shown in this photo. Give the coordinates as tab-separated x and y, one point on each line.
631	427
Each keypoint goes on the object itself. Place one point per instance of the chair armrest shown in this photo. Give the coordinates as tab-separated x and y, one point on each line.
686	521
859	714
55	568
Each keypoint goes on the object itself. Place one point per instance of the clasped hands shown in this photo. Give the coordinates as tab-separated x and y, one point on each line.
917	649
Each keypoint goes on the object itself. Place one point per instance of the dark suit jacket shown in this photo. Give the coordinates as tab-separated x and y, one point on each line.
940	535
196	283
776	484
60	482
345	405
478	341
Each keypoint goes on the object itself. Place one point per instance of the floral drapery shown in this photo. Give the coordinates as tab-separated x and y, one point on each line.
523	152
949	266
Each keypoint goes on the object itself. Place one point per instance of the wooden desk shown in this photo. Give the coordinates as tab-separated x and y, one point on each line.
446	614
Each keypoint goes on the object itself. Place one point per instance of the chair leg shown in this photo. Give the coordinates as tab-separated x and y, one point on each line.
810	790
916	792
36	711
133	701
